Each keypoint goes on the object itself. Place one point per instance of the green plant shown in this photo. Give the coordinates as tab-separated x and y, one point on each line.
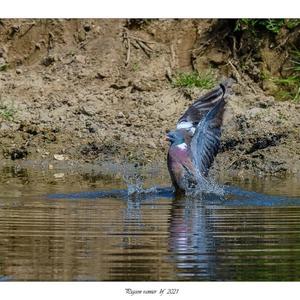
284	95
245	24
289	85
193	79
292	23
7	112
270	25
273	25
289	88
292	82
135	67
295	59
4	67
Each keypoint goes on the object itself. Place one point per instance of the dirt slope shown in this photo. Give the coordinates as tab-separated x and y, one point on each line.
73	89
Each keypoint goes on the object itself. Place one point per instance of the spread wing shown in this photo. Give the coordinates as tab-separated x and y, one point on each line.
198	110
206	140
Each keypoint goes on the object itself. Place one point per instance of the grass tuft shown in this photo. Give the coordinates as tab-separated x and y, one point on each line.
193	79
290	85
4	67
289	88
270	25
7	112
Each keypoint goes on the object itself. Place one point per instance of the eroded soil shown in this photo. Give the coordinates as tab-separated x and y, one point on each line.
72	91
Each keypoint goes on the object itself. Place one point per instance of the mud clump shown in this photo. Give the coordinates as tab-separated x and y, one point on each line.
81	89
93	150
265	141
17	153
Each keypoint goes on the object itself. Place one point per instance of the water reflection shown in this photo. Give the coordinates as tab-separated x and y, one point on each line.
188	239
53	232
220	242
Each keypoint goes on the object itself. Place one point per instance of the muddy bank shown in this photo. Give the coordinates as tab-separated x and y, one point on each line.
74	90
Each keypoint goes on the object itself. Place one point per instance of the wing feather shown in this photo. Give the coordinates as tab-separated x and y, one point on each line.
206	140
198	110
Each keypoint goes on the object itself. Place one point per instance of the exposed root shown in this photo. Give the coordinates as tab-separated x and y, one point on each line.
137	43
239	77
50	42
28	29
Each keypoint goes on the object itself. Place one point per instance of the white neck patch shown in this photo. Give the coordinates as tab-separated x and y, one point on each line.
184	125
182	146
187	126
192	130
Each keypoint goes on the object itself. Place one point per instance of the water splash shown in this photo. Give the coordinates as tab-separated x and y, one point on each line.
134	179
203	185
134	185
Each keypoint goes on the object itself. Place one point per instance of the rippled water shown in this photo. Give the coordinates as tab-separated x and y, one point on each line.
70	227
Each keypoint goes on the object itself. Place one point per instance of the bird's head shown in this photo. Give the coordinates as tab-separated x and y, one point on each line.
175	137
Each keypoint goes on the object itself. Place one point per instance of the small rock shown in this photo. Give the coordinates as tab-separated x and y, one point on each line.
143	86
19	71
80	58
100	75
268	119
81	36
151	145
59	175
120	84
3	52
132	117
2	61
253	112
88	110
59	157
50	167
4	126
48	60
120	115
92	129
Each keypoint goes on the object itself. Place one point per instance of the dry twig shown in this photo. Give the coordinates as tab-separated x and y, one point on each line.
27	30
50	42
137	43
236	73
238	77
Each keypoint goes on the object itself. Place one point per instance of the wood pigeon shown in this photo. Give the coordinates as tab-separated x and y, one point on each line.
196	140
